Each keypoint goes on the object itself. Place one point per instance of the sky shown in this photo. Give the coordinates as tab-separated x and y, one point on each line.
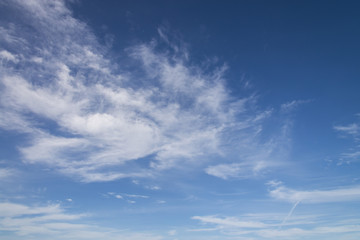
177	120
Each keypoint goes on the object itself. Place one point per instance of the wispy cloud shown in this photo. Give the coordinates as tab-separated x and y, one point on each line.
7	56
289	225
91	119
136	196
298	233
270	226
235	170
255	156
6	173
52	221
341	194
352	154
229	222
351	129
125	196
289	106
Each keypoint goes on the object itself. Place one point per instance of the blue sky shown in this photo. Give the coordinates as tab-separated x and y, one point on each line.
179	120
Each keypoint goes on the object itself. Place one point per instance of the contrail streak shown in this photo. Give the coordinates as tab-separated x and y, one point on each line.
290	213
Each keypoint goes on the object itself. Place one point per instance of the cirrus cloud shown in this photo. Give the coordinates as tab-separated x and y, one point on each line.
92	119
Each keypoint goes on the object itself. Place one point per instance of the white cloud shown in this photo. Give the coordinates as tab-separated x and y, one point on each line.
351	129
235	170
271	226
51	221
136	196
90	119
172	232
290	225
7	56
153	187
301	233
274	183
353	153
14	210
349	157
289	106
229	222
341	194
124	196
255	158
6	173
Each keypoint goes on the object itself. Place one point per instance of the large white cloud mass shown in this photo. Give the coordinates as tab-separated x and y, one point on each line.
90	117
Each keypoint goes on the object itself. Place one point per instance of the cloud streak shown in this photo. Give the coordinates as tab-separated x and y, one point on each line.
290	225
52	221
352	130
342	194
270	226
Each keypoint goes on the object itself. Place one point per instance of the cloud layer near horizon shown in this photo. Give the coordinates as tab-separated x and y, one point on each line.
52	221
273	226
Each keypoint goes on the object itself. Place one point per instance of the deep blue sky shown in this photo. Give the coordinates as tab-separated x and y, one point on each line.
292	45
179	120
